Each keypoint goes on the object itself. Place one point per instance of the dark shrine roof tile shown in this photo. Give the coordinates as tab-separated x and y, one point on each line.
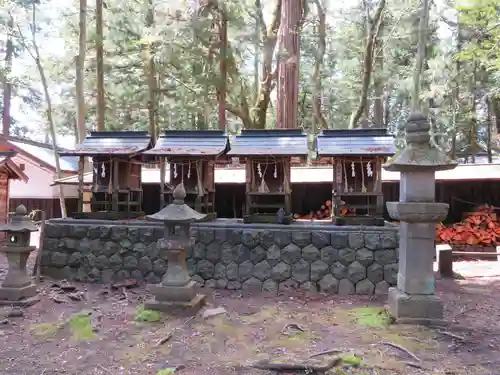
358	142
275	142
124	143
197	143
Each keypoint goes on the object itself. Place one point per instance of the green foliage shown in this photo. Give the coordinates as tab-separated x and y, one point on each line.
480	19
80	325
351	360
168	371
147	316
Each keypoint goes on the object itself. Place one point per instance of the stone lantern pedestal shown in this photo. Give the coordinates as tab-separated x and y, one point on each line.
414	299
176	294
17	288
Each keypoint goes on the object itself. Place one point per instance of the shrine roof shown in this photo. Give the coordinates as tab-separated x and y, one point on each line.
195	143
275	142
358	142
9	166
123	143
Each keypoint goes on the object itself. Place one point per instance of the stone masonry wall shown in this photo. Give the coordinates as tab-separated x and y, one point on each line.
343	260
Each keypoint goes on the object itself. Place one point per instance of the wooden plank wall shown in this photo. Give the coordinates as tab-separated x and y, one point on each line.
50	206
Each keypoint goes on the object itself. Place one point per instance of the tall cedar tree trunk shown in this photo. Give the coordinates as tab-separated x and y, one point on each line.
288	64
101	105
151	75
423	26
367	64
319	119
7	85
52	127
80	67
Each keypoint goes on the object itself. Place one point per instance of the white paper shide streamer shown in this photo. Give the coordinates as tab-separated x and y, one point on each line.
369	170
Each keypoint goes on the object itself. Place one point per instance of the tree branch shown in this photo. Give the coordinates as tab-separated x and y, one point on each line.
260	16
368	64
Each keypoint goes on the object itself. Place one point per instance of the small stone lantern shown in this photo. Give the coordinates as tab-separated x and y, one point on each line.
414	299
18	289
176	293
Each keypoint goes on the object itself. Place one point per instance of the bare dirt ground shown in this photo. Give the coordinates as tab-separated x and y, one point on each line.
107	332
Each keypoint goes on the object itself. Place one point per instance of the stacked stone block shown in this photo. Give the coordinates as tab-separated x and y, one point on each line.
335	260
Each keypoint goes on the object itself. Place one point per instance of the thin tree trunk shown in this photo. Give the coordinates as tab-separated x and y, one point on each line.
365	117
490	125
256	57
80	67
7	85
288	64
151	75
421	55
387	106
378	101
456	96
48	102
368	65
267	75
101	105
496	113
221	90
318	65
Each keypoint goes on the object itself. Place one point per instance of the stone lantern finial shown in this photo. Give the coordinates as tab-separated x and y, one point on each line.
21	210
419	154
177	212
19	223
179	194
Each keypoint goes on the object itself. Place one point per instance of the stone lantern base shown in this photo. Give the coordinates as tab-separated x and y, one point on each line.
415	308
17	289
176	300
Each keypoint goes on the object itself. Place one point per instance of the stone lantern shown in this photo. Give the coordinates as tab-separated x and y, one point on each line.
414	299
176	293
18	289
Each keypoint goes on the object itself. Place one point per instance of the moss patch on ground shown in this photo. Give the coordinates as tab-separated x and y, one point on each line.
371	317
351	360
44	329
144	315
168	371
266	314
80	325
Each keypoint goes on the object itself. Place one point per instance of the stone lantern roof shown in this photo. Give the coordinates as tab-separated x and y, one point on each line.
19	222
177	212
419	154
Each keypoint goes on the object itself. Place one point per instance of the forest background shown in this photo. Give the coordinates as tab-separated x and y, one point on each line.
157	64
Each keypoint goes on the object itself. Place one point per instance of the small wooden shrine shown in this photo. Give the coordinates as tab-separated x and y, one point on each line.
191	156
267	155
116	173
357	158
9	170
